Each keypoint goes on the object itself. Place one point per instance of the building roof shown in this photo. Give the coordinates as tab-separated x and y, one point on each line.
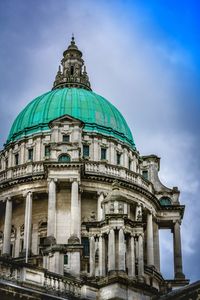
98	114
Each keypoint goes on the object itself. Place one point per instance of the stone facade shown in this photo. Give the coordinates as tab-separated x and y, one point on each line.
79	223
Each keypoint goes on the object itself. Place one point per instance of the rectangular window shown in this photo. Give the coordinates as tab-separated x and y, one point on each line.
129	163
47	151
86	151
16	159
103	153
118	158
6	163
11	250
65	259
86	246
66	138
145	174
30	154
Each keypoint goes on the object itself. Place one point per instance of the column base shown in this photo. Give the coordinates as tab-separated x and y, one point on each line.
179	275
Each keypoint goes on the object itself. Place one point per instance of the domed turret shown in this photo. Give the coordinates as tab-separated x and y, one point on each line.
73	73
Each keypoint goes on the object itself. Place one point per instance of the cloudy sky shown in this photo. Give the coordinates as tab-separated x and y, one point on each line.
142	55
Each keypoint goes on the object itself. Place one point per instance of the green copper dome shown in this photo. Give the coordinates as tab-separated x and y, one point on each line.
96	112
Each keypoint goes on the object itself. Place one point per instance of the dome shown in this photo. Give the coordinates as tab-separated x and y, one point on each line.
98	114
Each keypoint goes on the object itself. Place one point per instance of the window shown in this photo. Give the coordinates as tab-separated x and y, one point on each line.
72	70
118	158
64	158
47	151
65	259
11	249
16	159
30	154
165	201
86	246
129	163
145	174
66	138
103	153
86	150
41	244
6	163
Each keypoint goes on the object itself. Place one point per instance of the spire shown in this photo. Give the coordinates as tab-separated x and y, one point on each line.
72	73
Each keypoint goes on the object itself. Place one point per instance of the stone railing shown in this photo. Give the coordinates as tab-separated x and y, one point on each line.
31	168
39	279
102	168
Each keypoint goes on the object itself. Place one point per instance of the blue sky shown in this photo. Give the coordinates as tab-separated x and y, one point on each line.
141	55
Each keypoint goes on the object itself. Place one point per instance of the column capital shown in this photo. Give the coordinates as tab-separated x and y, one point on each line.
25	193
99	193
7	198
178	221
52	179
74	179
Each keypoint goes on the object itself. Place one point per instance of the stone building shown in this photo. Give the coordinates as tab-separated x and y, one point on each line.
80	209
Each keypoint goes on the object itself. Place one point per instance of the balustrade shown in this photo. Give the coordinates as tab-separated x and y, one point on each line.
51	282
22	170
118	172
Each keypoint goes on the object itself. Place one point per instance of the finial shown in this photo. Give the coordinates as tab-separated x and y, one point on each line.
72	41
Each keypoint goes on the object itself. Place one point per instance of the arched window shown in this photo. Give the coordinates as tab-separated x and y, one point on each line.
64	158
164	201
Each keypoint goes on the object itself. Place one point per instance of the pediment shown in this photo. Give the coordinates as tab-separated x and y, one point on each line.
66	120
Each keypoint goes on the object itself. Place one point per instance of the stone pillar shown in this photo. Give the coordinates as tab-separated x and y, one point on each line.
132	257
156	246
51	222
28	222
140	257
99	208
75	210
102	267
111	250
96	149
121	258
92	256
7	227
178	270
150	250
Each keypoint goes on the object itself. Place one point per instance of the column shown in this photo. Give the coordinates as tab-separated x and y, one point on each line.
121	258
75	210
132	257
102	267
99	208
96	149
51	222
156	246
7	227
111	250
141	256
28	222
178	270
92	256
150	251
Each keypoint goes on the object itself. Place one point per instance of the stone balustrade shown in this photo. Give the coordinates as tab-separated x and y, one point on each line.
22	170
34	168
118	172
28	275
